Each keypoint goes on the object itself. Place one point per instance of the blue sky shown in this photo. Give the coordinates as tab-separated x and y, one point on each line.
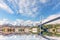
31	11
27	11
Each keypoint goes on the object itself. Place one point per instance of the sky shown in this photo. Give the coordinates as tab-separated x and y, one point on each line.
28	9
28	12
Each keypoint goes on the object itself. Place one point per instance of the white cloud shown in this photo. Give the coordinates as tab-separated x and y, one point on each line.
20	37
25	23
27	7
43	1
52	17
19	22
4	21
2	37
29	22
55	38
56	6
5	7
